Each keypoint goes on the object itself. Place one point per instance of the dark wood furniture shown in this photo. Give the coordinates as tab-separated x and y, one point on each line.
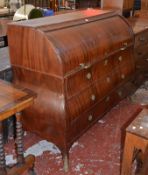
13	101
136	146
87	3
140	28
124	5
38	3
53	4
79	63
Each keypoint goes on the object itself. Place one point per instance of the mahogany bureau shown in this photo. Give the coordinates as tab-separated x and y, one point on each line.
80	64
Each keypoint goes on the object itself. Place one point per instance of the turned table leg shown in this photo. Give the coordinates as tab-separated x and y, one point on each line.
19	139
29	161
2	153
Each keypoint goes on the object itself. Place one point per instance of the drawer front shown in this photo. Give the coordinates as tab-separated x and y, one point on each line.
81	102
78	82
85	77
89	74
141	39
126	65
124	57
106	84
102	68
88	118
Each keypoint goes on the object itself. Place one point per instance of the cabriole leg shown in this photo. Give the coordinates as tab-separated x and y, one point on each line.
66	161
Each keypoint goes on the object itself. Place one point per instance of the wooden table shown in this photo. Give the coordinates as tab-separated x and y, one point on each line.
136	146
12	101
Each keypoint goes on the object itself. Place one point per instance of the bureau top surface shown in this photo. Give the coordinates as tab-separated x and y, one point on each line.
139	24
13	99
76	15
139	126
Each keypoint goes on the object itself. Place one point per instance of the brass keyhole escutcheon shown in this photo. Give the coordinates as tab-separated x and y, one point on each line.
122	76
88	76
93	97
105	62
108	79
120	93
120	58
90	117
107	99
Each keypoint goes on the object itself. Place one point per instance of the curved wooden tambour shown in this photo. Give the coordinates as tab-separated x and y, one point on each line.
76	63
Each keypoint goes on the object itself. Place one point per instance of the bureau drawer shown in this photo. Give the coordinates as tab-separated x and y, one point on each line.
127	69
106	84
78	81
88	74
141	38
88	118
81	102
124	57
85	77
102	68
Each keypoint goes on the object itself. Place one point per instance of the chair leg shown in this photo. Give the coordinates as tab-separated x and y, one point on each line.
19	139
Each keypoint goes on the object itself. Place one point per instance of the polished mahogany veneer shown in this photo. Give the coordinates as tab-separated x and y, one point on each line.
79	64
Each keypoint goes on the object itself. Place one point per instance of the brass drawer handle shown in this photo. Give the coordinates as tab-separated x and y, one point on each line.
108	79
122	76
90	117
107	99
120	58
88	76
120	93
105	62
93	97
85	66
124	46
